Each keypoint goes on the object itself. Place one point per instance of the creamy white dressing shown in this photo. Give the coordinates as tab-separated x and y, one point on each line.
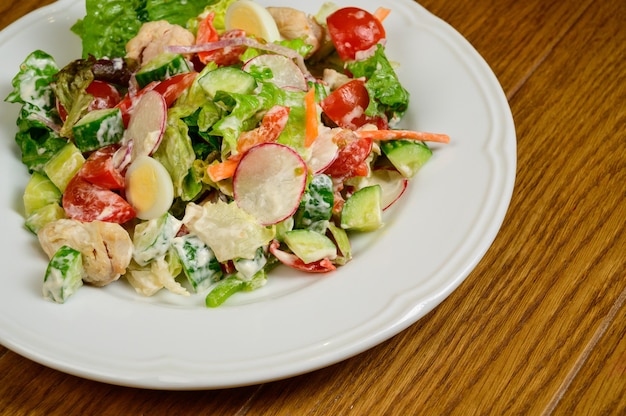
249	267
59	284
154	239
108	131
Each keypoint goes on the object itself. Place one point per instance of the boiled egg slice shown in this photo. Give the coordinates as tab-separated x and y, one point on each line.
252	18
149	188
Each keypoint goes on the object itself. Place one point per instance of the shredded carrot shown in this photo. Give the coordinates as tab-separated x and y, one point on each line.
311	127
403	134
381	13
223	170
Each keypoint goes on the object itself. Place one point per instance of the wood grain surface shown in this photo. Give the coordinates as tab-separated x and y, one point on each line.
539	326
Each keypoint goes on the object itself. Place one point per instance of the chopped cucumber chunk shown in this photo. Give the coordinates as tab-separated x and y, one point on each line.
317	202
98	128
249	267
39	192
363	211
198	260
408	156
64	274
227	79
44	215
63	165
310	246
161	67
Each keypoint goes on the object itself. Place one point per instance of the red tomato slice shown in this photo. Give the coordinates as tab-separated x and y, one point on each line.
98	169
346	106
104	95
170	89
351	159
222	57
84	201
352	30
173	87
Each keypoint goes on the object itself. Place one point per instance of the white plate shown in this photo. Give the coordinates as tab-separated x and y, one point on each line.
430	243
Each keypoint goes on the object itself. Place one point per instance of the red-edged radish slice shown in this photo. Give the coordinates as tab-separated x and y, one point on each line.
149	188
147	124
269	182
323	151
285	73
391	182
123	156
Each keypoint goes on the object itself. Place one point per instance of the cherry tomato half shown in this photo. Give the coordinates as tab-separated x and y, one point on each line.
170	89
222	57
98	169
351	159
352	30
104	95
346	106
84	201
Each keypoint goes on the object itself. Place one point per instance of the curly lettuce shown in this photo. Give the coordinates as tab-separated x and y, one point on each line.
36	137
387	96
109	24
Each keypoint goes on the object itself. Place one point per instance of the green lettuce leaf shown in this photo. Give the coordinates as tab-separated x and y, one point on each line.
109	24
177	155
387	96
36	138
241	110
175	12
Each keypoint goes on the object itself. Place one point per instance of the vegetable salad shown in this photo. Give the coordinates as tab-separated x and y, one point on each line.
195	146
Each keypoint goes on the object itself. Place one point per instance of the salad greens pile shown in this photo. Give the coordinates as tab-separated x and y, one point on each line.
109	25
201	168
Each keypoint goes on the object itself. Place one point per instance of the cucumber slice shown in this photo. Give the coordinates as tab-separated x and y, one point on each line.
317	202
198	260
228	79
408	156
392	183
161	67
152	239
39	192
363	210
63	165
64	274
98	128
310	246
44	215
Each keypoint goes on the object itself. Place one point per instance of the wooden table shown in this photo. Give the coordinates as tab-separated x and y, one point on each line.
539	327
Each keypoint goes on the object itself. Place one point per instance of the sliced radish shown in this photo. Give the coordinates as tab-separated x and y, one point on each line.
285	73
391	182
147	124
149	188
269	182
123	156
323	151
